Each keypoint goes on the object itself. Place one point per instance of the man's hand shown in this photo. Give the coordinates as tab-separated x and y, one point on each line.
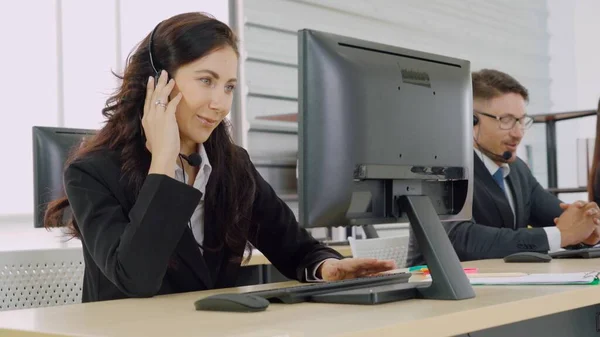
580	222
594	238
334	270
590	208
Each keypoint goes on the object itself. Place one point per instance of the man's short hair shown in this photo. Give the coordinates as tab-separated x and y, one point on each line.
489	83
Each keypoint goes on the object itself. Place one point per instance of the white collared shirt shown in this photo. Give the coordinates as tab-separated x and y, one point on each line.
552	232
197	220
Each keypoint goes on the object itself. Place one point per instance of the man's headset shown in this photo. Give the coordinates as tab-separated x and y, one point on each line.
504	157
193	159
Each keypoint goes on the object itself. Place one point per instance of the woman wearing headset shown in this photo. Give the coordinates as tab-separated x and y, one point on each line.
162	200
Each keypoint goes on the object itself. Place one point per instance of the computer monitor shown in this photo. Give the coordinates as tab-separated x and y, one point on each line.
385	136
51	148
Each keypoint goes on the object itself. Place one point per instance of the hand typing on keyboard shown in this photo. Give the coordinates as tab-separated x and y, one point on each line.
334	270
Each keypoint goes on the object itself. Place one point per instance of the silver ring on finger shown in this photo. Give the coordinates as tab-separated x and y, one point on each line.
159	102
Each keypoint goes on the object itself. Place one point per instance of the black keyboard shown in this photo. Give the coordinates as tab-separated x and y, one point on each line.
583	253
303	292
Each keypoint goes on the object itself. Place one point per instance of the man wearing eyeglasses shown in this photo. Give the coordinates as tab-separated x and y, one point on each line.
511	211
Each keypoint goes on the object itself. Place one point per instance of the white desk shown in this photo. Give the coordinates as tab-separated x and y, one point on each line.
496	311
45	268
35	239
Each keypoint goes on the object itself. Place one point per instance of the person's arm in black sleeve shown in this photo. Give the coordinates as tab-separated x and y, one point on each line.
473	241
290	248
133	249
545	206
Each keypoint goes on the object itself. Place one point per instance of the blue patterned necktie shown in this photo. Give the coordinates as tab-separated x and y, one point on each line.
499	179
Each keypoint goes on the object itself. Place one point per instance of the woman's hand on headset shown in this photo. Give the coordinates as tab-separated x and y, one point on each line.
160	125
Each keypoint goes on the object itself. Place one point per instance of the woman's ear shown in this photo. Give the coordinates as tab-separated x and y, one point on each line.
175	91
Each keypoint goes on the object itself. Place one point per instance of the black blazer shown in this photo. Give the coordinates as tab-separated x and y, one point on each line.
144	247
493	233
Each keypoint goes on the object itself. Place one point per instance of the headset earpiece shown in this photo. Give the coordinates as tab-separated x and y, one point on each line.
156	74
150	44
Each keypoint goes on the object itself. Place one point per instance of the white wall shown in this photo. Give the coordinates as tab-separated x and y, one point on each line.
587	60
561	27
57	58
587	52
574	51
56	70
29	74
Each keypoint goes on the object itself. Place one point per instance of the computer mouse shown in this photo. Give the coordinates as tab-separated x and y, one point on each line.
527	257
232	302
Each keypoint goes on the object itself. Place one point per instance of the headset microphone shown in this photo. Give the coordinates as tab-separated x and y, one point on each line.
193	159
504	157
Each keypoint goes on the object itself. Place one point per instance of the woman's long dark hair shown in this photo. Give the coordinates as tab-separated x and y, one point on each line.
230	191
593	176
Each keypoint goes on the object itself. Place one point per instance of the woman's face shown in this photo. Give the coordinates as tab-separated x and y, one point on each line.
206	85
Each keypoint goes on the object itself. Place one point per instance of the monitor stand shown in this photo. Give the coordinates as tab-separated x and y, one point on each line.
449	281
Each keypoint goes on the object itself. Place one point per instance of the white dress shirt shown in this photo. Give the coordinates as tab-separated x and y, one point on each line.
197	220
552	232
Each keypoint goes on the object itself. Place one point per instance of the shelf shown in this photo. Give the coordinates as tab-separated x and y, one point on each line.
557	190
289	117
289	197
561	116
542	118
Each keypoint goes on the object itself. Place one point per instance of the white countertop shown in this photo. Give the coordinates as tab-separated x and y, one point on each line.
29	238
